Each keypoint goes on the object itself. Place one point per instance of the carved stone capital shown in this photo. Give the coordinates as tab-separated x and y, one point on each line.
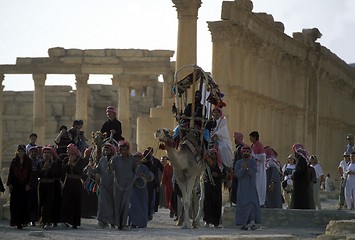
221	31
81	79
39	79
120	80
187	8
2	77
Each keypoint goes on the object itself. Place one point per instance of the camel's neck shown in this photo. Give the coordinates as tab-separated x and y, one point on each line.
172	154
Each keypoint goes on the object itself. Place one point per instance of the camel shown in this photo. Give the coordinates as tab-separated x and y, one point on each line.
187	171
94	151
93	154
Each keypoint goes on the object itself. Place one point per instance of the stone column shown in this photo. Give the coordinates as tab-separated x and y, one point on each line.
121	83
82	98
2	77
39	107
167	88
186	51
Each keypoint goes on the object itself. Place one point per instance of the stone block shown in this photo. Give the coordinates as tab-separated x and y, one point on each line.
150	91
23	60
296	218
71	60
110	52
331	237
57	109
129	53
297	36
101	60
280	26
226	10
161	53
42	60
26	109
56	52
74	52
95	87
268	18
23	98
106	92
94	53
246	237
340	227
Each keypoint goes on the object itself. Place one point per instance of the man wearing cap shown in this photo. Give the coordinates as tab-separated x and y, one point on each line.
112	125
248	205
288	170
260	156
32	143
343	165
105	214
50	170
238	140
19	182
349	188
33	194
349	147
124	168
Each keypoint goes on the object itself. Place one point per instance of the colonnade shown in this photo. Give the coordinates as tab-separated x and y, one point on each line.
130	69
281	86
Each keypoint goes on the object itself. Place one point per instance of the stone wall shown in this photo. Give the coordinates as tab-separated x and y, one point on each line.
60	110
290	89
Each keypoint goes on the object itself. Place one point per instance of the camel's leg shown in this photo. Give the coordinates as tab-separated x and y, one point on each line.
200	202
180	211
186	196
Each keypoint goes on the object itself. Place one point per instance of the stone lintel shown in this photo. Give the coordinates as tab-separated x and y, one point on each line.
101	60
40	68
146	68
146	59
101	69
161	53
39	60
72	60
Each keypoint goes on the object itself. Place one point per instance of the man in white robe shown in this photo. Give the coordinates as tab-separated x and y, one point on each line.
260	156
220	135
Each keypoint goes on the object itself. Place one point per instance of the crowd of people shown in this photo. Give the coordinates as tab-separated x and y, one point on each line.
259	179
46	183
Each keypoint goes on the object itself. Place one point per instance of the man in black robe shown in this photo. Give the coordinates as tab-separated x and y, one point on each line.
112	125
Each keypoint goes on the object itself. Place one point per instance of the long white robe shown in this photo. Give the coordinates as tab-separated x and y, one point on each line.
350	187
260	156
224	141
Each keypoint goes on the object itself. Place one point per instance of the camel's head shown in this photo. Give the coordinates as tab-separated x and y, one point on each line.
162	134
98	137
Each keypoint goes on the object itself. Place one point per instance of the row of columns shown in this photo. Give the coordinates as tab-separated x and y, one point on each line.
271	88
121	84
256	83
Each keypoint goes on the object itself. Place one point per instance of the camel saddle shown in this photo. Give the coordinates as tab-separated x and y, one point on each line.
194	146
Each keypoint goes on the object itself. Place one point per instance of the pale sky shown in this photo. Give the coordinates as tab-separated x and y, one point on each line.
29	27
